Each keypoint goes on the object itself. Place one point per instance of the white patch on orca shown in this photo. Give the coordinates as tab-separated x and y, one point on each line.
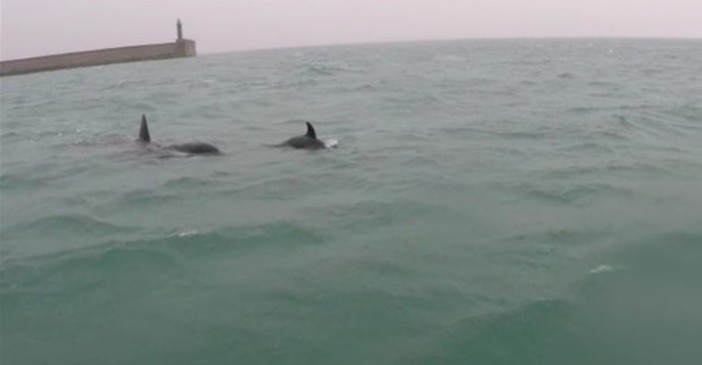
331	143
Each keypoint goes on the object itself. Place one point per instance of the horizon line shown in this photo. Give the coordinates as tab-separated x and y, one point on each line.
431	40
380	42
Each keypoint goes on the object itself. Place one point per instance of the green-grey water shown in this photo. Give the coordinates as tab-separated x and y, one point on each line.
489	202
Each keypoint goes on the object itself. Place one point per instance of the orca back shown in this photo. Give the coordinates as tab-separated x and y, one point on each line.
196	148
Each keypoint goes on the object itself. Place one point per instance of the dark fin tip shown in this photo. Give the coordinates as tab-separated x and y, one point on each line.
144	135
310	131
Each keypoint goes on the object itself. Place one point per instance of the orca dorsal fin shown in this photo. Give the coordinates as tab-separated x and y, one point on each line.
144	135
310	131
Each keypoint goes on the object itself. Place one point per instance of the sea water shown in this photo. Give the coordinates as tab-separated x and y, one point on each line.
488	202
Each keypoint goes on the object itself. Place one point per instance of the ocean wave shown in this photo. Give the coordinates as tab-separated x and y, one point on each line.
672	256
65	225
369	215
142	265
184	244
326	69
22	181
189	182
645	309
58	233
510	133
593	147
537	333
141	198
574	193
362	88
621	168
542	250
605	268
123	84
657	124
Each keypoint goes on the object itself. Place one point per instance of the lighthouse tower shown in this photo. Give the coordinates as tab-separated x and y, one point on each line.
179	27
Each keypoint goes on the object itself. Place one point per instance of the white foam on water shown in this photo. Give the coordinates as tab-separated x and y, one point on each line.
188	233
331	143
606	268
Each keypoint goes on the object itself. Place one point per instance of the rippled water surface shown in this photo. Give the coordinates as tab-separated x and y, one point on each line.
489	202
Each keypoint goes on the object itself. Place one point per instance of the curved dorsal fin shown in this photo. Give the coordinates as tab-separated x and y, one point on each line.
310	131
144	135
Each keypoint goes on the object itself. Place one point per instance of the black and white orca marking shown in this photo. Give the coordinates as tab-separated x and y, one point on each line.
308	140
194	148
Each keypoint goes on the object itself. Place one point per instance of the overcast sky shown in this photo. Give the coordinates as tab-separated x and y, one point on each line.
37	27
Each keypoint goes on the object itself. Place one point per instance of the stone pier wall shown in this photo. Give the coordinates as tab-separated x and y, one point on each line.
180	48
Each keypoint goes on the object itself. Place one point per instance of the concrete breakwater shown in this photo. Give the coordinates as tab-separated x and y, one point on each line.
179	48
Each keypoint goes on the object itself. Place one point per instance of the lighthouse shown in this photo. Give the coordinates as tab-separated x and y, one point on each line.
179	27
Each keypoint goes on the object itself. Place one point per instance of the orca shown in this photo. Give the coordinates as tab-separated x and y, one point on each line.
194	148
308	140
